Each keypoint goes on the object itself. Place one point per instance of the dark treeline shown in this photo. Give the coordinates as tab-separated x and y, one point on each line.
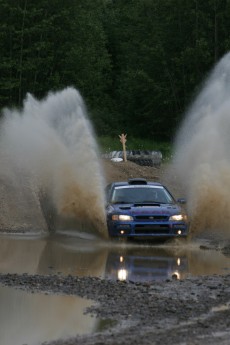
137	63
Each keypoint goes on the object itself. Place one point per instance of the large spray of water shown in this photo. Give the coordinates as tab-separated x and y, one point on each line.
49	145
202	155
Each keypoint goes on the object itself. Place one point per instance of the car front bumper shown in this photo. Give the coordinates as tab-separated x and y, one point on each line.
147	229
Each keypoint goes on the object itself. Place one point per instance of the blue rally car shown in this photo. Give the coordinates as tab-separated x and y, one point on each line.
143	209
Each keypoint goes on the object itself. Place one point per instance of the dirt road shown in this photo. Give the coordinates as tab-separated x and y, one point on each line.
195	310
191	311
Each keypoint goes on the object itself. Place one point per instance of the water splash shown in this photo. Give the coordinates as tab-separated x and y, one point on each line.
49	145
202	155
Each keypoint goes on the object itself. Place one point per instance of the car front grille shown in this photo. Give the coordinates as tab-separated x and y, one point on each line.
152	229
151	218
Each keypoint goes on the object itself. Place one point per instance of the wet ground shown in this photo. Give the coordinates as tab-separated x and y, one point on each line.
134	283
132	261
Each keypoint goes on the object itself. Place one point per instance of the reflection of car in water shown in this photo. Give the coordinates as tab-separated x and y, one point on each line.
144	266
142	209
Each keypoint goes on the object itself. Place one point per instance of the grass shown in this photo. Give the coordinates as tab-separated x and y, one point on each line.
108	144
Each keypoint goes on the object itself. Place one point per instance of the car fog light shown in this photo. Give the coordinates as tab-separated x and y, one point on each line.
176	275
122	274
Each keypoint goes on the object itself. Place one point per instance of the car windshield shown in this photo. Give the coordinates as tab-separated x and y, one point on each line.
144	194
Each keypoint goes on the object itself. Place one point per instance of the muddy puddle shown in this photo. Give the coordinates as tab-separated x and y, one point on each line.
28	318
62	254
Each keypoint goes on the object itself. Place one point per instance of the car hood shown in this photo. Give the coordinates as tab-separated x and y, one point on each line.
138	209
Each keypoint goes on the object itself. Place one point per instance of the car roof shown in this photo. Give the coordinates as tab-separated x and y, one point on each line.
138	182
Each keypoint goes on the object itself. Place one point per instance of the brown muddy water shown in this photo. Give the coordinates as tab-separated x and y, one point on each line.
31	319
28	318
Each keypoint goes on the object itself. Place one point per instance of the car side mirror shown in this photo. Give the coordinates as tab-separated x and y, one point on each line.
181	201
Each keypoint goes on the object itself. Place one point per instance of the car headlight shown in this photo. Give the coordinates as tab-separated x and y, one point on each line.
178	217
123	217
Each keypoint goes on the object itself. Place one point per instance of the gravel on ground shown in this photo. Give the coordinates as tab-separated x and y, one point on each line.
191	311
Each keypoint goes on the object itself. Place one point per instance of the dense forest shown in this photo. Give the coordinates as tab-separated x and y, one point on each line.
137	63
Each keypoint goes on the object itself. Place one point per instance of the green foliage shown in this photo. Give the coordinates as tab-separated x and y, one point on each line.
137	63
